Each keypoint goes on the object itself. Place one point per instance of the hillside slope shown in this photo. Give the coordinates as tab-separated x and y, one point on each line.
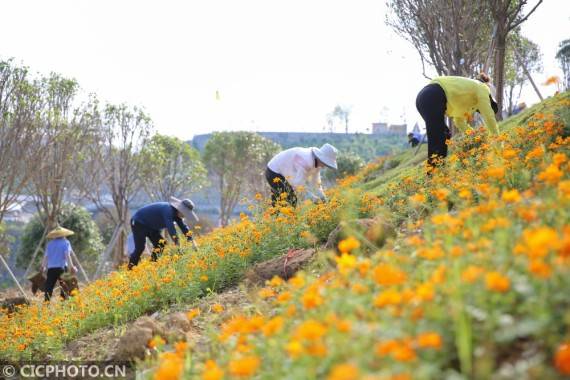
474	286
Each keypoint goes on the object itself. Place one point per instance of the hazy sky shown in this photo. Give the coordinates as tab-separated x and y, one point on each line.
278	65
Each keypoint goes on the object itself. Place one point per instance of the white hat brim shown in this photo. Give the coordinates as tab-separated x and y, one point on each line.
325	160
188	214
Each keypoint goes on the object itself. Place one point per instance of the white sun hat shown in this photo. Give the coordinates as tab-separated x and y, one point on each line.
185	206
327	155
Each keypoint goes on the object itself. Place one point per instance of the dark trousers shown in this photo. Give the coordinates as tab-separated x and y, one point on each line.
53	275
279	187
431	104
140	233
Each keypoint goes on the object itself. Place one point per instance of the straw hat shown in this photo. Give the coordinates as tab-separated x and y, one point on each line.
327	155
59	232
185	206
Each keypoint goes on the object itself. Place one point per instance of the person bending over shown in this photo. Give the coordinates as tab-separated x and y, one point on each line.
296	167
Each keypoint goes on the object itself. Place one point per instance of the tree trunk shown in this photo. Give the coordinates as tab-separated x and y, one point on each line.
500	68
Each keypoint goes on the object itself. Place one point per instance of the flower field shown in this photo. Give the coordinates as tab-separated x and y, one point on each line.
475	286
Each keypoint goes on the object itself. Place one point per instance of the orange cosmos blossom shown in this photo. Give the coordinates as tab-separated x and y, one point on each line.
273	326
539	241
471	273
387	275
511	196
170	367
562	358
429	340
551	174
212	371
310	330
244	367
348	245
495	281
344	371
388	297
540	269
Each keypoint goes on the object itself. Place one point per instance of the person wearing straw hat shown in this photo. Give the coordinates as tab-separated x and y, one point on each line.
148	221
57	259
458	98
296	167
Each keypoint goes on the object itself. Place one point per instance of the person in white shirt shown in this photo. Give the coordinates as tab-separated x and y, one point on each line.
296	167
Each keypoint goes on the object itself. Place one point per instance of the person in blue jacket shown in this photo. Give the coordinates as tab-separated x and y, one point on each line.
148	221
57	259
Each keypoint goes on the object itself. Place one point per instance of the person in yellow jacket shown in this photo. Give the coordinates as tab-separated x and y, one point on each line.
458	98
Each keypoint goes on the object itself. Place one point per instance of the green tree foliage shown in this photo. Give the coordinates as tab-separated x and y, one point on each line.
348	164
171	167
521	51
563	56
237	160
86	242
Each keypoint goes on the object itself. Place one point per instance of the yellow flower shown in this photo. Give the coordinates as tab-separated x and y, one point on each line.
348	245
294	348
344	372
345	263
276	180
217	308
244	367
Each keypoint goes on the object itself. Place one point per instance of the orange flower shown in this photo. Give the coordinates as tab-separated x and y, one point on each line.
562	358
387	275
193	313
155	342
496	172
495	281
429	340
539	241
564	248
273	326
551	174
404	353
471	274
348	245
511	196
311	300
212	371
540	269
388	297
310	330
344	372
170	367
345	263
441	194
244	367
418	198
